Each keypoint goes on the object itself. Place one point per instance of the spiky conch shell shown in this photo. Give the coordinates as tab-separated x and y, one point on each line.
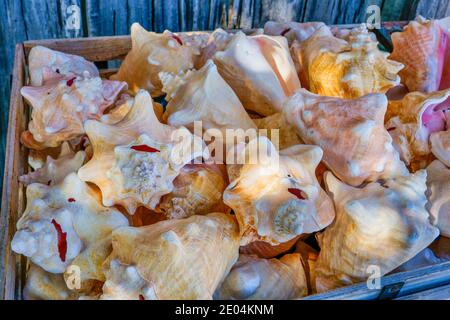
150	54
197	190
61	107
276	197
357	147
293	31
260	70
438	193
413	120
46	65
85	227
424	48
378	225
330	66
253	278
128	176
174	259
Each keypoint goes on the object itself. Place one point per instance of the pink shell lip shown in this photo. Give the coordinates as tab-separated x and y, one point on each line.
434	117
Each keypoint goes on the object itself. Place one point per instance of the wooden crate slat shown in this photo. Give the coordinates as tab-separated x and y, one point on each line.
439	293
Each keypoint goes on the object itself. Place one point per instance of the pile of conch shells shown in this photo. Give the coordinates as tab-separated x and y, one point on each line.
129	198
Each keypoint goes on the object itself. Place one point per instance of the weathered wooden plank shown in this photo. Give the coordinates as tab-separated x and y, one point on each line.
432	8
140	11
283	11
4	93
42	19
440	293
395	10
106	17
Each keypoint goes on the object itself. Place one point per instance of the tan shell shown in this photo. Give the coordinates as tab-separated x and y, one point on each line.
260	70
357	147
252	278
278	198
438	182
265	250
150	54
174	259
337	68
292	30
133	178
197	190
61	107
379	225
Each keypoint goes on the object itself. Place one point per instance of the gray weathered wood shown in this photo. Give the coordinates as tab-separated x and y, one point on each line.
440	293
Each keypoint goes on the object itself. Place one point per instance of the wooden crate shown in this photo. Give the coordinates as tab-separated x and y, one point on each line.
101	49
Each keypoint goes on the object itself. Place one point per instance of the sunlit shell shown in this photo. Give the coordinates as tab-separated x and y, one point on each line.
260	70
174	259
150	54
438	182
253	278
412	120
197	190
380	225
136	160
292	30
424	48
357	147
60	108
46	65
277	197
61	223
337	68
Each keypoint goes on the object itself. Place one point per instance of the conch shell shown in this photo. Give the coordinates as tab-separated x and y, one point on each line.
46	65
61	107
440	143
217	41
198	190
55	170
253	278
412	120
382	225
278	198
260	70
438	182
334	67
136	160
292	30
265	250
152	53
357	147
424	48
63	221
182	259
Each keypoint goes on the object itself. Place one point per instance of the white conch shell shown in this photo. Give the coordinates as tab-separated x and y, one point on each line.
46	65
61	221
438	181
286	134
136	160
55	170
253	278
292	30
382	225
412	120
424	48
357	147
260	70
203	95
217	41
150	54
334	67
279	198
198	189
174	259
440	143
60	108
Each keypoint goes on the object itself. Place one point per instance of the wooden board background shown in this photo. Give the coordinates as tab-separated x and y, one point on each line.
22	20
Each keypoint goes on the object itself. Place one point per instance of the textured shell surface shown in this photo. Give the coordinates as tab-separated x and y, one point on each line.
260	70
136	160
424	48
278	198
46	65
357	147
61	107
174	259
438	193
62	221
292	30
253	278
152	53
440	144
384	225
217	41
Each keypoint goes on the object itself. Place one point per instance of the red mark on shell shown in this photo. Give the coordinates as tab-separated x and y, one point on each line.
71	81
71	200
297	192
145	148
285	31
62	240
141	297
178	39
391	129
